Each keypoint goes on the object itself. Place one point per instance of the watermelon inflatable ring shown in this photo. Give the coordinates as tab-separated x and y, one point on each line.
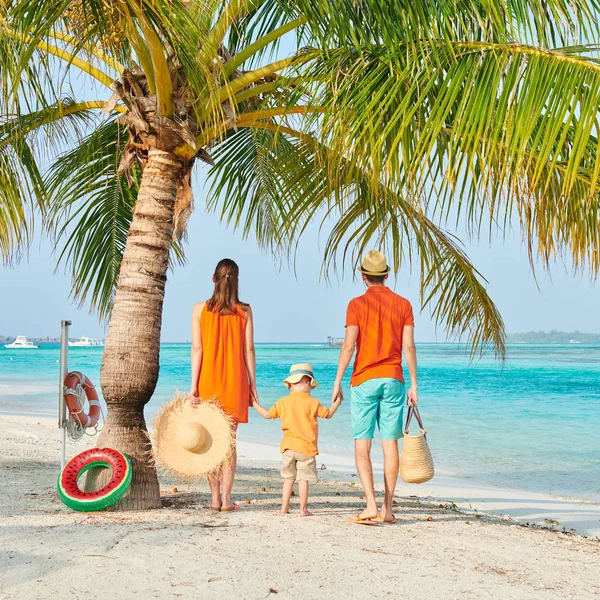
75	498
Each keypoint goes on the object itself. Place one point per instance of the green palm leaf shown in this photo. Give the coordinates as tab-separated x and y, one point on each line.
94	206
22	191
270	184
91	206
487	139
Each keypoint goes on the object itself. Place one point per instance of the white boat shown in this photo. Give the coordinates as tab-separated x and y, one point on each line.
21	343
85	342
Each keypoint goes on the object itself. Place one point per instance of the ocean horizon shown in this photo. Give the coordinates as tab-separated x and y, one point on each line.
531	423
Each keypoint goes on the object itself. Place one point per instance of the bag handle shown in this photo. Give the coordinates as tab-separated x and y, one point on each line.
413	410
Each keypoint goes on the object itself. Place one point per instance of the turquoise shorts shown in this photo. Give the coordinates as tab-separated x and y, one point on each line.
377	401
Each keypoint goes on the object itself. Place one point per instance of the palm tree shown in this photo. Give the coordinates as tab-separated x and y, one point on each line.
389	121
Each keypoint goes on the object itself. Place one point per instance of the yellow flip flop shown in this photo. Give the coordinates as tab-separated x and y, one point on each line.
356	519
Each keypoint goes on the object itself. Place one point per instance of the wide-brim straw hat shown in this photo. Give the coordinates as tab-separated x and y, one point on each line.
297	372
192	442
374	264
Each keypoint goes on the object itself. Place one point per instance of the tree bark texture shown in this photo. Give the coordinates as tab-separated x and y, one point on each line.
130	362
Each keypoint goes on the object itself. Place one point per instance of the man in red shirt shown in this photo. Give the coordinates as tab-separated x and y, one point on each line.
380	324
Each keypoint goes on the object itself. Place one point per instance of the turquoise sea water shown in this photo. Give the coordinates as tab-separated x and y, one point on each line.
532	423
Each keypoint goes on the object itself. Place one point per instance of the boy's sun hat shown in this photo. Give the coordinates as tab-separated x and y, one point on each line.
374	263
297	372
192	442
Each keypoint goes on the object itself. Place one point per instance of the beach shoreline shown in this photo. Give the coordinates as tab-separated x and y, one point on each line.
503	427
186	551
469	496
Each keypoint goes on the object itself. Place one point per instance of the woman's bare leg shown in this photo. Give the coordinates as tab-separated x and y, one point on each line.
227	478
215	491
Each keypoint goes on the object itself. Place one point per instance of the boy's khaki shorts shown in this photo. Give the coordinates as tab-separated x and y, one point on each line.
298	466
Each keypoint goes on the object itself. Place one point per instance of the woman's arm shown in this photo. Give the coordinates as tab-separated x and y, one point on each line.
196	351
250	357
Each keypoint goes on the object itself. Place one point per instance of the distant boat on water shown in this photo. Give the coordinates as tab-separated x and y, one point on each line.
84	342
334	342
21	343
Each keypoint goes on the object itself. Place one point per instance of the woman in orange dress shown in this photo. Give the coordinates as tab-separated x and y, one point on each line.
224	362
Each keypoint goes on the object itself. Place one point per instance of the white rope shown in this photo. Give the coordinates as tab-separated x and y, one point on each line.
75	430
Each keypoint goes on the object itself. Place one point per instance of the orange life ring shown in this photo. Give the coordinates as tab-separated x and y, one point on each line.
72	382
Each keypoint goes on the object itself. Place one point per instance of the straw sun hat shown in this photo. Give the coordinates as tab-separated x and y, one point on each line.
192	442
297	372
374	263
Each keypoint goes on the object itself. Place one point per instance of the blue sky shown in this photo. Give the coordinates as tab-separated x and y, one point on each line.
34	298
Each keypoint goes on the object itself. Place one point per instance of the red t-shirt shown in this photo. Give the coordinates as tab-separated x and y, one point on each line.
380	316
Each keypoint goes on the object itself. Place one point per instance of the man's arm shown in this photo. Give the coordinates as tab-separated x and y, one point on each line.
410	353
346	352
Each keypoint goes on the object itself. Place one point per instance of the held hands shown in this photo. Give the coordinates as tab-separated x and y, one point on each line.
253	397
193	398
337	395
412	398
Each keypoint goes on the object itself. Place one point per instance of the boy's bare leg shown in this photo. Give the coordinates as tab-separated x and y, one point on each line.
286	494
303	489
362	452
390	471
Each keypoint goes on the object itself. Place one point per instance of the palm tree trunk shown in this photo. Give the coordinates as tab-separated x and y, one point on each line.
130	362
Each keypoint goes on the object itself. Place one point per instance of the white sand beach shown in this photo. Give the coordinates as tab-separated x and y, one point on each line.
185	551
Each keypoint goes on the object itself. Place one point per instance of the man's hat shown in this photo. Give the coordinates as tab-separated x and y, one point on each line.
374	263
297	372
192	442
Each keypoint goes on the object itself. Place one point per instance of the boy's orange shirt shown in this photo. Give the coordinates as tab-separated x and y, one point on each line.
299	412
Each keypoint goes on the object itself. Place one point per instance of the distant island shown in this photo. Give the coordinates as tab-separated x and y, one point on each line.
553	337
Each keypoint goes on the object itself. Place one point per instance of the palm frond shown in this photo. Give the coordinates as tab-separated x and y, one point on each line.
496	132
250	184
23	193
90	209
262	21
271	184
338	23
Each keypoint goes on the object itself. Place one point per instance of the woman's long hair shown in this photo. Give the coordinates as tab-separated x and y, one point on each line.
225	299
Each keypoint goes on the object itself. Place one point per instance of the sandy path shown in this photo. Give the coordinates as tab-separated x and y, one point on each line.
183	551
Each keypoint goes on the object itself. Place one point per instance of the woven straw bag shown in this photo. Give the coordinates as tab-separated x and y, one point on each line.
416	463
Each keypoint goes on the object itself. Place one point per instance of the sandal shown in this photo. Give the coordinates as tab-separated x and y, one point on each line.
357	520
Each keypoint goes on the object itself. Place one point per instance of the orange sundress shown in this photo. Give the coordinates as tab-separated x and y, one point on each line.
223	374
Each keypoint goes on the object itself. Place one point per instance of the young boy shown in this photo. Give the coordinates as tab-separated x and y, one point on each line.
299	412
